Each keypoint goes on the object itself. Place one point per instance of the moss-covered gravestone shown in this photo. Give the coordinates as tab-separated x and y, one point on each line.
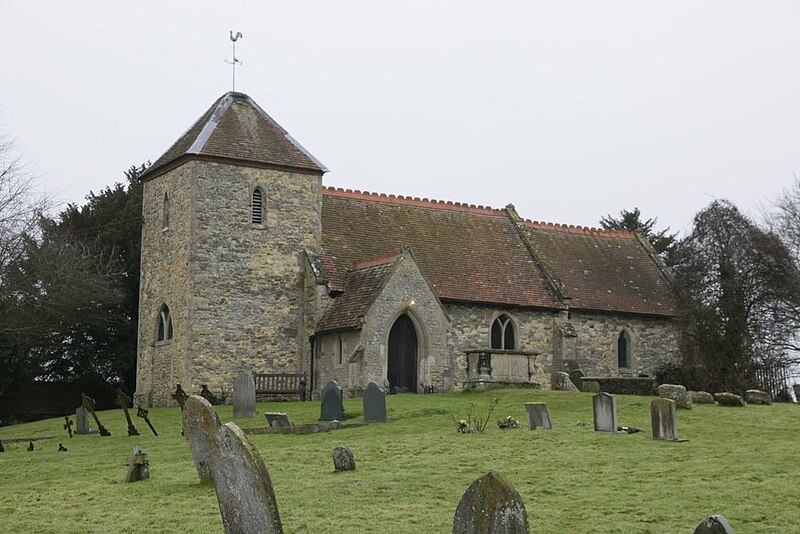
491	505
332	407
343	459
198	422
241	480
664	419
715	524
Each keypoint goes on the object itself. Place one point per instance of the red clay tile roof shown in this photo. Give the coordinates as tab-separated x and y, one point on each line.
236	128
362	285
467	253
603	270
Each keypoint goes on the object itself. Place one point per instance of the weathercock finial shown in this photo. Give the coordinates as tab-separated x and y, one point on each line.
234	61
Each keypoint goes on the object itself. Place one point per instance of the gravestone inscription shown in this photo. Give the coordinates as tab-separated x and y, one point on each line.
538	416
374	404
604	406
332	407
241	480
244	396
491	505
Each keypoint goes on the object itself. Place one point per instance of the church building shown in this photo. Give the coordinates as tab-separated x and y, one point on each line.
250	264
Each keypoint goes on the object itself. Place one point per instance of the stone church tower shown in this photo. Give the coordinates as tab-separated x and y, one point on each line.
229	211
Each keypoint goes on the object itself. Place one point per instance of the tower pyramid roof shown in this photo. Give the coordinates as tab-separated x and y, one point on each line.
235	128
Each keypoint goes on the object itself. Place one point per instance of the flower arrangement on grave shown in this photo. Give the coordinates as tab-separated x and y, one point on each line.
508	422
473	425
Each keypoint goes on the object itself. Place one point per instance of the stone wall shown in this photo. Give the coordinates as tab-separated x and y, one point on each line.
652	341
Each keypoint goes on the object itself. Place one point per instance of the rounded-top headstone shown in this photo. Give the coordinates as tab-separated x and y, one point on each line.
331	407
491	505
199	421
715	524
343	459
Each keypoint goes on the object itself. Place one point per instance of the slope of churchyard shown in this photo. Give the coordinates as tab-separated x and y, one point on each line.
412	471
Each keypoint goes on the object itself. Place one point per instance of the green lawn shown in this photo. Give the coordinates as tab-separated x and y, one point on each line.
743	463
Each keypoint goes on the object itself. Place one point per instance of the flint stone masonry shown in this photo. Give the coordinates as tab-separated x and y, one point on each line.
241	480
677	393
756	396
244	396
715	524
538	416
491	505
729	399
343	459
701	397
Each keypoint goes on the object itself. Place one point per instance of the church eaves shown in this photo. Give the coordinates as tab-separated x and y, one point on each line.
236	129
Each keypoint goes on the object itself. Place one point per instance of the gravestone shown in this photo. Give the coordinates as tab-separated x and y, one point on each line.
664	419
374	404
701	397
141	412
677	393
715	524
729	399
241	480
138	466
796	388
560	381
538	416
343	459
278	420
2	449
82	421
604	406
332	408
68	425
756	396
198	422
576	376
124	402
491	505
88	403
244	396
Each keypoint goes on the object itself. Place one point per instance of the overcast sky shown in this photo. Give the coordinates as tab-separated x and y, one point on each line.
568	109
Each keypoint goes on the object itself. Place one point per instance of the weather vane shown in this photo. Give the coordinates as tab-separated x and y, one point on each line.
234	37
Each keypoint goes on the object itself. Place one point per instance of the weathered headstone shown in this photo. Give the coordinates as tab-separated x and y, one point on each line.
278	420
244	396
343	459
241	480
332	407
560	381
491	505
604	406
82	421
138	466
701	397
89	405
576	376
677	393
663	416
756	396
715	524
729	399
374	404
198	422
538	416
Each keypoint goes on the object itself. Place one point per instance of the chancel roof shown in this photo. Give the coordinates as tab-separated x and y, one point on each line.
236	129
490	256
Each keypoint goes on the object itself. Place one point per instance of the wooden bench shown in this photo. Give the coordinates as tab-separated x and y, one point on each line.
281	384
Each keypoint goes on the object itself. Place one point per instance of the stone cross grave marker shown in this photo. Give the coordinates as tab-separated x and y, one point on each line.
88	405
715	524
332	408
82	421
124	402
278	420
538	416
374	404
138	466
179	396
604	406
241	480
343	459
244	396
68	425
663	416
141	412
491	505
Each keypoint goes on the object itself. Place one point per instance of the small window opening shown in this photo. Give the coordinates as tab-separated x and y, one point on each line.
165	214
340	350
257	207
164	324
503	333
622	351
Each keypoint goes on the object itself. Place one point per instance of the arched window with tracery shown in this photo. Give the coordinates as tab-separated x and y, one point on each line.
623	346
257	206
164	324
503	333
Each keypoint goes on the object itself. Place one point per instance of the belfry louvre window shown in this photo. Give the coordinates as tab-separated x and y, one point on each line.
257	206
503	333
164	324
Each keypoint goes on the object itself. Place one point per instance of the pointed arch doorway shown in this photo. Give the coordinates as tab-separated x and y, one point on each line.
403	345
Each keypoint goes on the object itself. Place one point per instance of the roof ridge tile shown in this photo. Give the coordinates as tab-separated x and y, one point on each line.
573	229
403	200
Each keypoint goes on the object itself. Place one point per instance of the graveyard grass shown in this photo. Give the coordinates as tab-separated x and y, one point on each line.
742	463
